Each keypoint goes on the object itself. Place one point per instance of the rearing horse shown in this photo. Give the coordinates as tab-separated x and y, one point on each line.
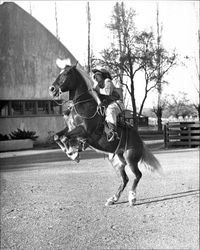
84	127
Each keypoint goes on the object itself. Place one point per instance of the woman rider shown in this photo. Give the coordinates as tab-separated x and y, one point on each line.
111	97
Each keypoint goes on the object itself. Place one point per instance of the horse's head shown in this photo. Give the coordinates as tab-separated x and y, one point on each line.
65	81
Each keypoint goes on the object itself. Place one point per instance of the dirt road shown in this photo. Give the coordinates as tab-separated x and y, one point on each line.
49	202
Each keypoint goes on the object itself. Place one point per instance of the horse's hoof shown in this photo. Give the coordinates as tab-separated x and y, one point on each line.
111	200
109	203
132	198
64	139
132	202
56	138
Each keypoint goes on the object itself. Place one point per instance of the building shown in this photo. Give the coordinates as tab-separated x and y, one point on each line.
28	52
128	116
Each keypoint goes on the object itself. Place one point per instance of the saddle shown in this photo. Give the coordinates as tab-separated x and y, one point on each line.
122	122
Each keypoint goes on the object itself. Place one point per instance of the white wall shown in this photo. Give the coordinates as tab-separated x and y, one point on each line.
44	126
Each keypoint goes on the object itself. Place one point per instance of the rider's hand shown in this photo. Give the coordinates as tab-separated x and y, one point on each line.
96	88
100	108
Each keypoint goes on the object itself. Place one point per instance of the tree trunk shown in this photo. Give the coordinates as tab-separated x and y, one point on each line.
159	118
135	118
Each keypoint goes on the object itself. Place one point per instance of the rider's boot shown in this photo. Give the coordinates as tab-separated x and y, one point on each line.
112	133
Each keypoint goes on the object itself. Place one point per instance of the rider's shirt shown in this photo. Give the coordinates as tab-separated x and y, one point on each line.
110	90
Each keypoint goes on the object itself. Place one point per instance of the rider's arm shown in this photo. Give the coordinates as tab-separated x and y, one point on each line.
108	88
95	95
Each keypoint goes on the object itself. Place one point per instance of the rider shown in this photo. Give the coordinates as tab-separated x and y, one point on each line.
111	97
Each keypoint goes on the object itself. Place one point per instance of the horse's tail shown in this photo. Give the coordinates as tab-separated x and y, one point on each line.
150	161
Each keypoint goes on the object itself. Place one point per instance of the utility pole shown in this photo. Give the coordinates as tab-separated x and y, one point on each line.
159	87
56	19
88	22
30	8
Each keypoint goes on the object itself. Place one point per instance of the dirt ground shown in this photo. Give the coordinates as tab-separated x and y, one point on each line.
50	202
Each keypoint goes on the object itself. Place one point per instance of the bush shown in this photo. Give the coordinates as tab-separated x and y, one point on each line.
4	137
22	134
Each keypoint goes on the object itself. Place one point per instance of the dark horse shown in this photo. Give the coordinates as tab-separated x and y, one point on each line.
85	127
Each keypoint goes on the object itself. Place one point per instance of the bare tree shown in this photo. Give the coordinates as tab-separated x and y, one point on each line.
164	62
133	52
179	105
89	50
123	58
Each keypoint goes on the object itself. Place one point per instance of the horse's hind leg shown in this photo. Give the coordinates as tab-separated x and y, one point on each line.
132	160
118	163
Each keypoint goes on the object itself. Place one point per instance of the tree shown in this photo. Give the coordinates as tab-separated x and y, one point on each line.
159	109
133	52
121	58
147	52
180	106
164	62
197	107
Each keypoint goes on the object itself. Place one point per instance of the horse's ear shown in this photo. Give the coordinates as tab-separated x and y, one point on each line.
63	63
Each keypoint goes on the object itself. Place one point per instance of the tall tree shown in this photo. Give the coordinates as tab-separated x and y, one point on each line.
159	86
56	20
89	52
164	62
121	57
133	52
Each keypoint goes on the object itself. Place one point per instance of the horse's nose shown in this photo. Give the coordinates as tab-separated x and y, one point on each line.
51	88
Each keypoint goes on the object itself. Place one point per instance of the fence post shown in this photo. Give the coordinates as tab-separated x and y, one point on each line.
165	136
190	137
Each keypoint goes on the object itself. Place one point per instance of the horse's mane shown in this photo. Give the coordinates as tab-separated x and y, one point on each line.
86	77
89	83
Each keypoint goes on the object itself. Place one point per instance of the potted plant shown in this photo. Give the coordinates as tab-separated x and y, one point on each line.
19	139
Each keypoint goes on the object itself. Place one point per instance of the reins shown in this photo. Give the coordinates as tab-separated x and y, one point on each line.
60	104
85	117
74	103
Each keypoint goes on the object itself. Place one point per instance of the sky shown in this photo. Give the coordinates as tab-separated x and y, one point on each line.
179	20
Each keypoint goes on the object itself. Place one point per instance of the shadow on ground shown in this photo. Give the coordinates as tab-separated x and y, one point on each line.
194	192
22	161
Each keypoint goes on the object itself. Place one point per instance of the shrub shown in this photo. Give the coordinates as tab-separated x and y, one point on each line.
23	134
4	137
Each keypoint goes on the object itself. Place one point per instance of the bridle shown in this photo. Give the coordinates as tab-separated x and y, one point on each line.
74	103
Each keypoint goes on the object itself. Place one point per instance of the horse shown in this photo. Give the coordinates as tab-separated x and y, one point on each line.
85	128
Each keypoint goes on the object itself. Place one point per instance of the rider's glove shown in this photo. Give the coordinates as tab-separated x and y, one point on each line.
101	109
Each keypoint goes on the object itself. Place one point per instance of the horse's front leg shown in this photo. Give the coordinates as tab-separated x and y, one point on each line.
57	139
118	163
64	139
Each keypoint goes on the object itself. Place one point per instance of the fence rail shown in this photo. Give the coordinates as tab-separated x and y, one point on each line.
182	134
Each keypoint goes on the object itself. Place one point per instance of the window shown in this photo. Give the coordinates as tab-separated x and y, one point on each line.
18	108
43	107
29	108
56	107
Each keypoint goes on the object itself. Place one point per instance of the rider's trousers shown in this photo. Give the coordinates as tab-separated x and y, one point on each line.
113	110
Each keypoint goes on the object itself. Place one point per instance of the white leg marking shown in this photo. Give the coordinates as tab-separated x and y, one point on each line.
132	198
